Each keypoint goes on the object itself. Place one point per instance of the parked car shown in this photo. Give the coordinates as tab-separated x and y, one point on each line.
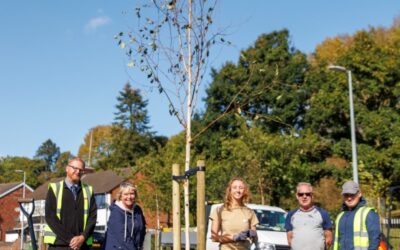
270	230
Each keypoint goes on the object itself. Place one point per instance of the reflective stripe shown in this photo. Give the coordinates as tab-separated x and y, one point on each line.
360	240
57	188
87	194
49	233
336	242
362	234
49	236
360	248
86	202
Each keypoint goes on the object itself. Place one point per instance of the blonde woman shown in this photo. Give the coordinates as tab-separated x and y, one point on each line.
234	224
126	227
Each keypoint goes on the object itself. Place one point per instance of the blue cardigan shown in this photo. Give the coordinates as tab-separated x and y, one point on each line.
119	229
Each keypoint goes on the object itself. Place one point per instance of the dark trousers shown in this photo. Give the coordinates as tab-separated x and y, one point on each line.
61	247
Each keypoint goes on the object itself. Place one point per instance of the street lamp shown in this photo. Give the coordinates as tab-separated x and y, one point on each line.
22	216
352	123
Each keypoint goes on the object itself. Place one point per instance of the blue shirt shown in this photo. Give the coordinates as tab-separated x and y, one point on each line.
70	184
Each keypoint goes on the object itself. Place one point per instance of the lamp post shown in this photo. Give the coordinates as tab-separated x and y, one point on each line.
22	217
352	123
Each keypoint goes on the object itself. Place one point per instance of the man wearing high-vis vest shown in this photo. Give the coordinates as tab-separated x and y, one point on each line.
357	226
70	211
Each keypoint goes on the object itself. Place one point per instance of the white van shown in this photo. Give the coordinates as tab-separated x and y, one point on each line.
271	231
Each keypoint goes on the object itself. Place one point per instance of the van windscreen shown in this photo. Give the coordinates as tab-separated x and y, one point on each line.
270	220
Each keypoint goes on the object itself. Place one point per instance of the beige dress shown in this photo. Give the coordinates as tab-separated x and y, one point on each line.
234	221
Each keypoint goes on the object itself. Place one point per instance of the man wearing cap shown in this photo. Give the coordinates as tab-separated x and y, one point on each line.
357	226
308	227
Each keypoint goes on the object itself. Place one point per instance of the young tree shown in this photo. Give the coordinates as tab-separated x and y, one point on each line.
171	45
48	152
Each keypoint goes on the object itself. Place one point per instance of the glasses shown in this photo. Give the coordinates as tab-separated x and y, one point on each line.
304	194
82	171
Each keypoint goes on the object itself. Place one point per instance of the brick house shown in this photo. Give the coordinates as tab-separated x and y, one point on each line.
9	208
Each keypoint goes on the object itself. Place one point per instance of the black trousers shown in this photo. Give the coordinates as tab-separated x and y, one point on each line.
62	247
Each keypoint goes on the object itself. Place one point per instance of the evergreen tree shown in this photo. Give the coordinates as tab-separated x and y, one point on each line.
48	152
131	137
131	111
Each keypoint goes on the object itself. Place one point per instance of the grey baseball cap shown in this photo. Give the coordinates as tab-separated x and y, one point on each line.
350	187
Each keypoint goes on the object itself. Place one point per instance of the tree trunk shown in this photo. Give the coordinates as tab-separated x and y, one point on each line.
261	190
188	128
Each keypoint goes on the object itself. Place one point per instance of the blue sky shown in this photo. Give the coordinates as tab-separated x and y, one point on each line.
61	70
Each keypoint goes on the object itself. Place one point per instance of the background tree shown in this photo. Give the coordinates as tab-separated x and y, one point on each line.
156	167
264	88
272	164
32	169
269	78
48	152
131	110
99	139
372	57
310	132
131	138
62	162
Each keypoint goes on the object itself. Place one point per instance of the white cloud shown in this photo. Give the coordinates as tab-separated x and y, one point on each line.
96	23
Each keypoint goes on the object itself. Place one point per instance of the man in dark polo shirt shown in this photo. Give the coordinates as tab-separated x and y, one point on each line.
70	210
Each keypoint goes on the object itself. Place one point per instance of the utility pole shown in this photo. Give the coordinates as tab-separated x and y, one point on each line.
90	148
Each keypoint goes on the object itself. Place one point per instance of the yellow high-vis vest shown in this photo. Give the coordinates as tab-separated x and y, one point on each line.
360	238
57	188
